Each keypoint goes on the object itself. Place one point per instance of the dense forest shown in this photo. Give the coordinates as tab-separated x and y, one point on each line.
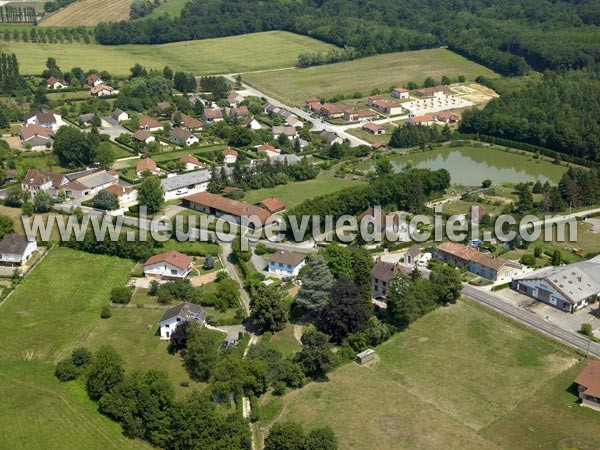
509	36
561	112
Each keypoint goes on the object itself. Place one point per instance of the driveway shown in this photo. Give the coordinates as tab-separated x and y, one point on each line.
112	127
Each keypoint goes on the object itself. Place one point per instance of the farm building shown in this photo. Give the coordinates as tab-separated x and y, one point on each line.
235	211
373	128
272	204
567	288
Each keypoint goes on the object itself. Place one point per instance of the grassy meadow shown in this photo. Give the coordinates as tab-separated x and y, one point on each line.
89	13
55	309
293	86
295	193
460	377
250	52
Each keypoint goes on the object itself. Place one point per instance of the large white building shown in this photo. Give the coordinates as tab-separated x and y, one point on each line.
567	288
177	315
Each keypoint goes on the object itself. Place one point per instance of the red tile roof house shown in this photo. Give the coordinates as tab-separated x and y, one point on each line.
212	115
36	137
351	115
289	132
102	90
146	164
382	221
35	180
234	99
181	136
238	212
400	93
191	162
588	385
485	265
315	107
436	91
286	263
188	122
373	98
169	265
331	111
149	124
388	108
272	204
94	79
269	150
373	128
55	83
126	195
308	101
229	156
446	117
240	111
421	120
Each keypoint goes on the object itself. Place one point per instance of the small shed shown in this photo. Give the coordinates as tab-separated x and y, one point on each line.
366	356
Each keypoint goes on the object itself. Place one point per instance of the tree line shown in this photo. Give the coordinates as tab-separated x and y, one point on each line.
509	36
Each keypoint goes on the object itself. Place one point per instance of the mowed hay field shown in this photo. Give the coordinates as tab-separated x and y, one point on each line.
55	309
89	13
363	75
250	52
461	377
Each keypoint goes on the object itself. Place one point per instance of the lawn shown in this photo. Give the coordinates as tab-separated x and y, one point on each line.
89	13
55	309
294	193
363	75
250	52
285	342
453	374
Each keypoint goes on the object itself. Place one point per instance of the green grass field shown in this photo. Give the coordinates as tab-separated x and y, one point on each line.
460	377
170	7
250	52
55	309
294	193
363	75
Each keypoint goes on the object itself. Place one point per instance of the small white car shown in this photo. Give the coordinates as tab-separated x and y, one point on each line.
181	191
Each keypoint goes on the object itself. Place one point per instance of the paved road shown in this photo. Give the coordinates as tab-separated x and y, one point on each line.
318	125
572	339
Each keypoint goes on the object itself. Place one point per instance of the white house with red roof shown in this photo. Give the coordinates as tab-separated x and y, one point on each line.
168	265
230	156
191	162
146	164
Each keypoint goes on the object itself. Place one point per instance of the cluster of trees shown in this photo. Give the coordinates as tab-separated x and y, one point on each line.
141	8
48	35
509	35
291	436
11	80
408	135
580	187
12	14
406	191
151	194
75	148
144	404
333	55
56	5
180	290
265	174
136	249
184	82
144	91
409	298
216	85
559	112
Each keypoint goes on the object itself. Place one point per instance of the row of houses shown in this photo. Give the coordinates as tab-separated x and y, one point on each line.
444	117
79	185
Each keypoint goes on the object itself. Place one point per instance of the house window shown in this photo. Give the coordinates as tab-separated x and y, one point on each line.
173	272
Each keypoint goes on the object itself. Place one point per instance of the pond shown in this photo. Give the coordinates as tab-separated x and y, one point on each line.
469	166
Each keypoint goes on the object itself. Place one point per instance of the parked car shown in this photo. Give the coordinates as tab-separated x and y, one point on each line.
298	282
181	191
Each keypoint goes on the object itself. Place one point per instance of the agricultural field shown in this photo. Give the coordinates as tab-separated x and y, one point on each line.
55	309
169	7
294	193
250	52
438	395
293	86
88	13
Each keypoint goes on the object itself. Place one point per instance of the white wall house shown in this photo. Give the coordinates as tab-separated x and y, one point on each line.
169	265
286	263
177	315
15	249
